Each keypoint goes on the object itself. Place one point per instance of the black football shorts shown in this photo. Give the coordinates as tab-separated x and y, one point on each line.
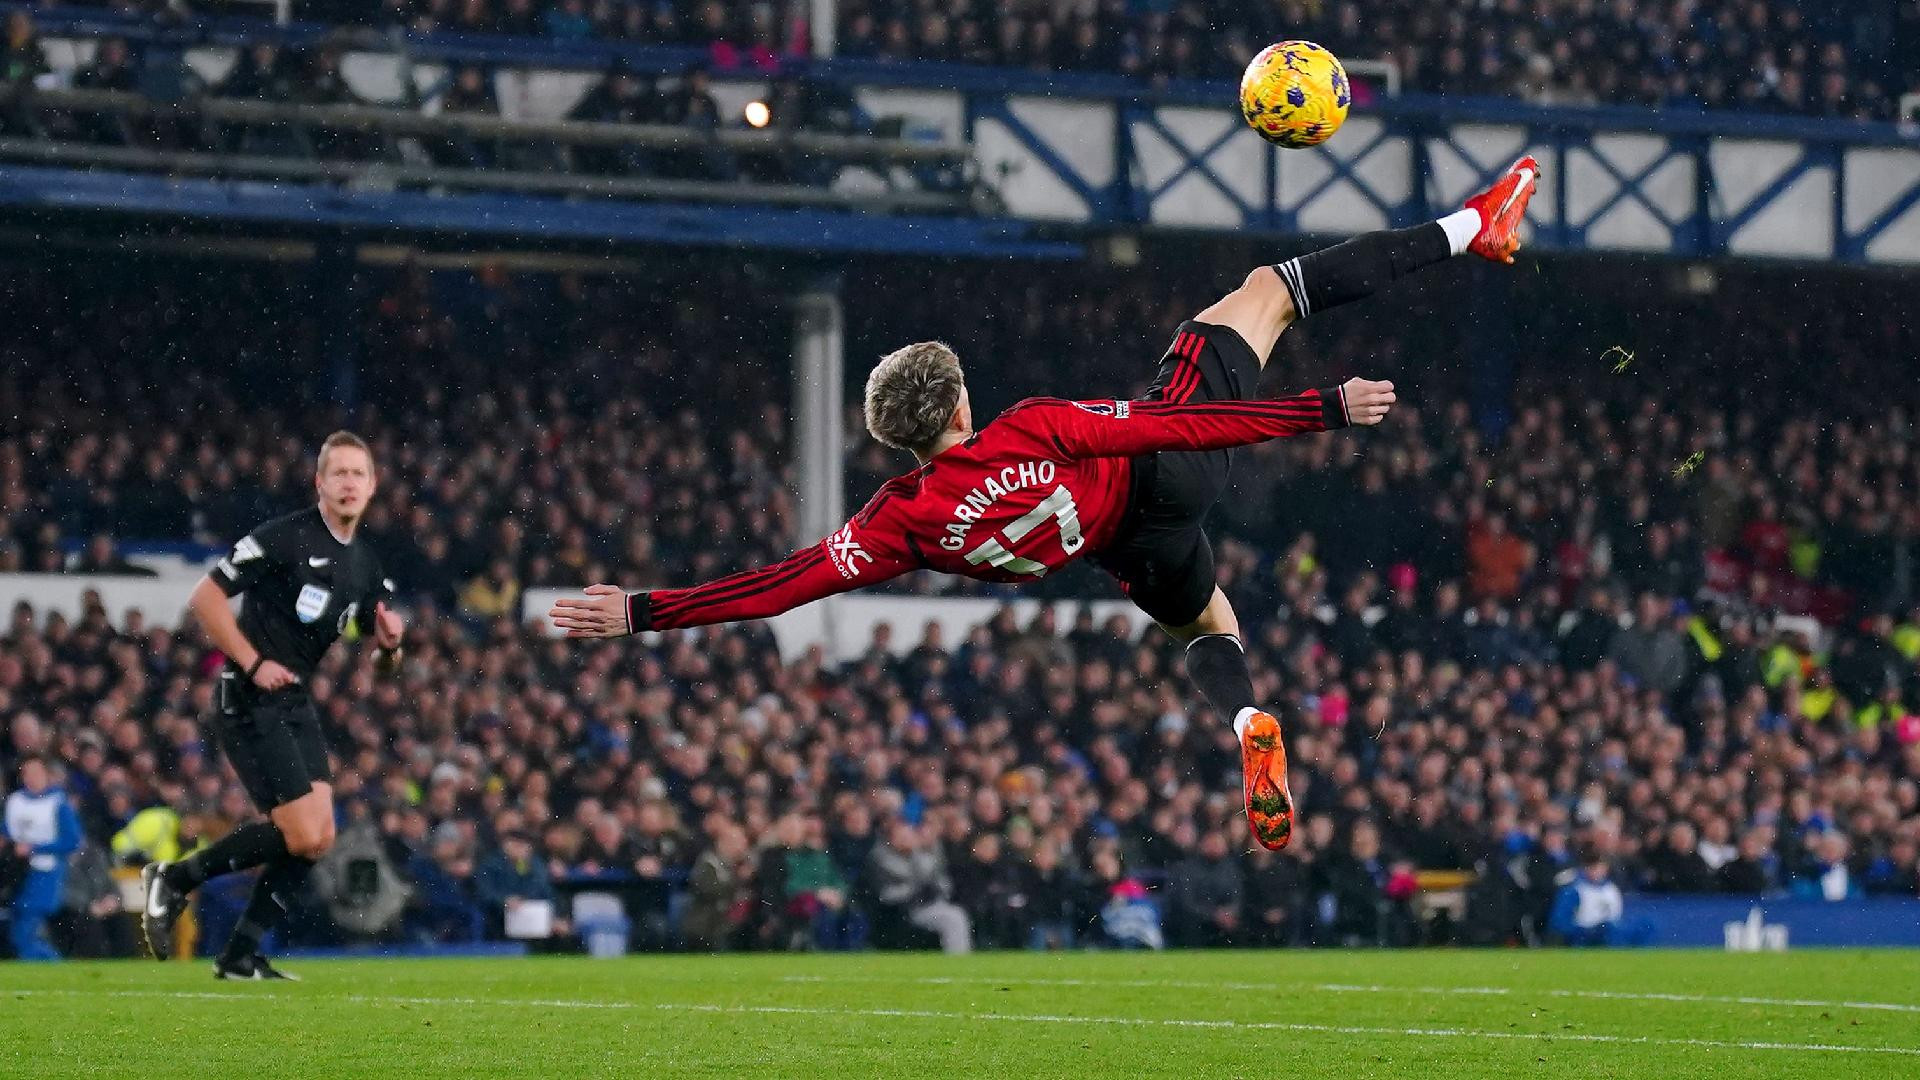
1161	556
273	740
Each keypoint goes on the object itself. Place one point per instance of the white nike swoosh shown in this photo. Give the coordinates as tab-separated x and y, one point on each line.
318	563
155	908
1526	181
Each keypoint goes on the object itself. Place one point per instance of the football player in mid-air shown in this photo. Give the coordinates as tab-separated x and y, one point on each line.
1126	483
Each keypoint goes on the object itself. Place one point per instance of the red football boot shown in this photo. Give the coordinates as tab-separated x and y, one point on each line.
1502	208
1263	763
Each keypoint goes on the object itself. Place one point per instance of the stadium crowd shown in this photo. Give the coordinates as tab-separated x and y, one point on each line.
1514	646
1775	56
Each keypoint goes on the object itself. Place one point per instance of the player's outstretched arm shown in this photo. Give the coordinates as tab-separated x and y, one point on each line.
1082	429
853	557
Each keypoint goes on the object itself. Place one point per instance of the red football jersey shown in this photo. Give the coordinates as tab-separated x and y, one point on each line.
1043	484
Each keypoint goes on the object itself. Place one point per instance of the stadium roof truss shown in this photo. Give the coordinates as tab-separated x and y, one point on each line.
1040	160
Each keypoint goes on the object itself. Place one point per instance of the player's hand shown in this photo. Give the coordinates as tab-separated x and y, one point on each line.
271	675
387	628
1367	400
603	614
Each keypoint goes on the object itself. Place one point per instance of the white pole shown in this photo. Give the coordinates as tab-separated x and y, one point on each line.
819	371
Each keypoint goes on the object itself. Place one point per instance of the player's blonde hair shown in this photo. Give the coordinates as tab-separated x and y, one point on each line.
912	394
339	439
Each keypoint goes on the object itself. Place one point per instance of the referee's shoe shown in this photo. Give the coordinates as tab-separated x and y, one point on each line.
161	908
249	968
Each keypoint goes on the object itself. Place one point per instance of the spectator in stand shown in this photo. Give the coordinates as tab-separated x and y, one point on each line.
908	876
1591	909
446	902
509	877
815	890
22	58
1827	873
1497	559
1348	885
1048	892
1677	864
93	922
262	73
1651	651
102	557
1207	896
720	893
39	824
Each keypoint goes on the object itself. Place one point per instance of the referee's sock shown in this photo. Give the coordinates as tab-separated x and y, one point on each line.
250	845
1366	264
1217	664
272	897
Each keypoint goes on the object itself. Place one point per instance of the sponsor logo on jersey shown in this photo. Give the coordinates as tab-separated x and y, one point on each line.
247	550
1118	409
317	563
846	552
311	603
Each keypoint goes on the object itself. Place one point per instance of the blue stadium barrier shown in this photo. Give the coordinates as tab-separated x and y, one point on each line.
1701	921
824	232
484	950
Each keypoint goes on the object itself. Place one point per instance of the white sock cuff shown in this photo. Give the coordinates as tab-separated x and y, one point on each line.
1240	721
1235	638
1462	226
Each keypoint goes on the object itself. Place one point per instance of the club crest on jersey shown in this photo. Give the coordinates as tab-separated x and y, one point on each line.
846	552
1117	409
311	603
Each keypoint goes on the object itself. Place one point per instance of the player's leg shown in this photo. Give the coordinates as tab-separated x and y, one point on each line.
1217	664
1273	297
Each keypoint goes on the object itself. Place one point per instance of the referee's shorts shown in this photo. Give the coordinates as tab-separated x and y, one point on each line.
1162	557
272	739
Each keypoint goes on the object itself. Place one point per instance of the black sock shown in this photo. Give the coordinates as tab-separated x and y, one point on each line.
1217	664
1361	267
272	897
250	845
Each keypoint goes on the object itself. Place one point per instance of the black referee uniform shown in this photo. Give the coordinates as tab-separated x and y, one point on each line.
300	588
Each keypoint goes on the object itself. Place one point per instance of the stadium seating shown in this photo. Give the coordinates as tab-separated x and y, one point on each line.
1444	575
1782	56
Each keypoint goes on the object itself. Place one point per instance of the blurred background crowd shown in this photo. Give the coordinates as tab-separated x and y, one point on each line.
1631	619
1850	60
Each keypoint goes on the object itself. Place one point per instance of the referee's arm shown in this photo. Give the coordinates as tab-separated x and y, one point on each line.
210	608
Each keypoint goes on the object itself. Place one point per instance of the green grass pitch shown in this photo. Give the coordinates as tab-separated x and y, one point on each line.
1218	1014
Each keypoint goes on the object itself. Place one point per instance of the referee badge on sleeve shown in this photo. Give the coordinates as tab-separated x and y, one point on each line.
311	602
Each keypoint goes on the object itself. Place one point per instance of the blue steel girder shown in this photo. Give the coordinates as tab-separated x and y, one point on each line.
1629	186
1192	160
1724	226
1853	245
1102	203
1398	214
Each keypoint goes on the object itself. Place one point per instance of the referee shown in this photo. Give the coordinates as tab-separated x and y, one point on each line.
305	578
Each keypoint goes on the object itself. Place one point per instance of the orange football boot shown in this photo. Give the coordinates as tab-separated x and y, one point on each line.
1263	761
1502	208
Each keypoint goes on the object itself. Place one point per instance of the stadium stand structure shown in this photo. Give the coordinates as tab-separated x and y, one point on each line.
1577	637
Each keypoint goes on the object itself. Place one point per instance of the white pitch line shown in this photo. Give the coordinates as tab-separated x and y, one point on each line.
1267	1025
1021	1018
1353	988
